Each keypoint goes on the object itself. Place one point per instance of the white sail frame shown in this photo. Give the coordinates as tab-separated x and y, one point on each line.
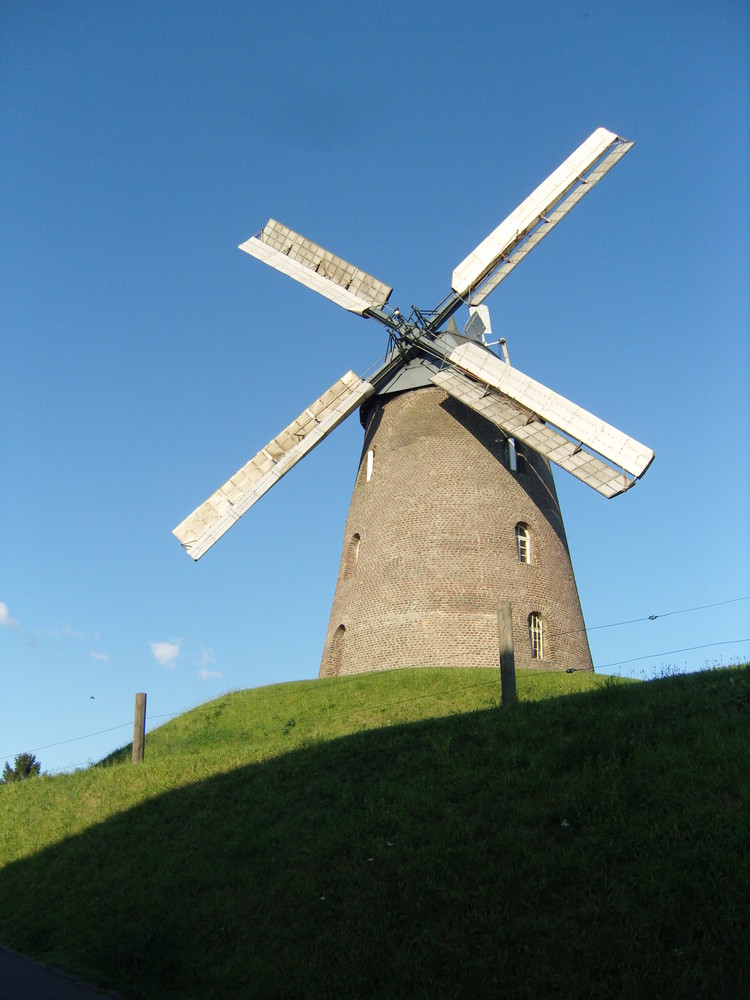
205	526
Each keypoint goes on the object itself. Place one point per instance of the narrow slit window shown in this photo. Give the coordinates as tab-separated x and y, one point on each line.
536	635
336	652
352	556
523	543
370	463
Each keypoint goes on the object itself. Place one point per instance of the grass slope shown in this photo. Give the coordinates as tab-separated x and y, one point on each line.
399	834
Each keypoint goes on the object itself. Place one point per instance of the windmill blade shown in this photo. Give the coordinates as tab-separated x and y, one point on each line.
623	452
526	427
198	532
535	217
545	225
317	268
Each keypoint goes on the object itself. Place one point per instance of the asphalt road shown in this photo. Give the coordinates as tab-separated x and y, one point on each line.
22	979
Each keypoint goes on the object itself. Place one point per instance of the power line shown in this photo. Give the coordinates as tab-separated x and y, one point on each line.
653	618
671	652
88	736
667	614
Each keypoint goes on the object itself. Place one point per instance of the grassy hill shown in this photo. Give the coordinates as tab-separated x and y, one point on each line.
401	835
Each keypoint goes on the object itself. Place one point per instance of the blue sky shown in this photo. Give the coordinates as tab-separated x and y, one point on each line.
144	358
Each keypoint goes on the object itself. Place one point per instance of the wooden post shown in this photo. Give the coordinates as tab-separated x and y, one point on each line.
139	727
507	659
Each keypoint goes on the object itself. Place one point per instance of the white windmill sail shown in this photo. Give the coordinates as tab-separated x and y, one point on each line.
317	268
198	532
527	225
623	452
524	426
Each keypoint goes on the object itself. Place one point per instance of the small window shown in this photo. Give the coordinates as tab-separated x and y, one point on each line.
517	458
536	635
512	455
352	555
336	652
523	543
370	462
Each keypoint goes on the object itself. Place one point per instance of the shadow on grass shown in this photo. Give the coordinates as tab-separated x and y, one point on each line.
593	846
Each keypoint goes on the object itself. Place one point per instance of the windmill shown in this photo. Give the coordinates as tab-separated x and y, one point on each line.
454	505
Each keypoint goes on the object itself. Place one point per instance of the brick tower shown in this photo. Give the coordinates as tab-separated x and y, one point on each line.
447	519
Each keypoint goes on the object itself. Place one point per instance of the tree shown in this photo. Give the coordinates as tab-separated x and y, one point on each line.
26	766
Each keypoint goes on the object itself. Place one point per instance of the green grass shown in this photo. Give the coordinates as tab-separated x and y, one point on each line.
400	834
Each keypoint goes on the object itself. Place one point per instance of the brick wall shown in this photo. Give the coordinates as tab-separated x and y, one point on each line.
430	547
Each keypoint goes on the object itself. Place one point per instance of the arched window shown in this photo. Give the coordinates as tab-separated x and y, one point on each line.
352	555
336	653
523	542
536	635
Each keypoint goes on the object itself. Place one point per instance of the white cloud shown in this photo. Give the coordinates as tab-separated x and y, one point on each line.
166	653
206	658
6	621
66	632
207	675
69	633
102	657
